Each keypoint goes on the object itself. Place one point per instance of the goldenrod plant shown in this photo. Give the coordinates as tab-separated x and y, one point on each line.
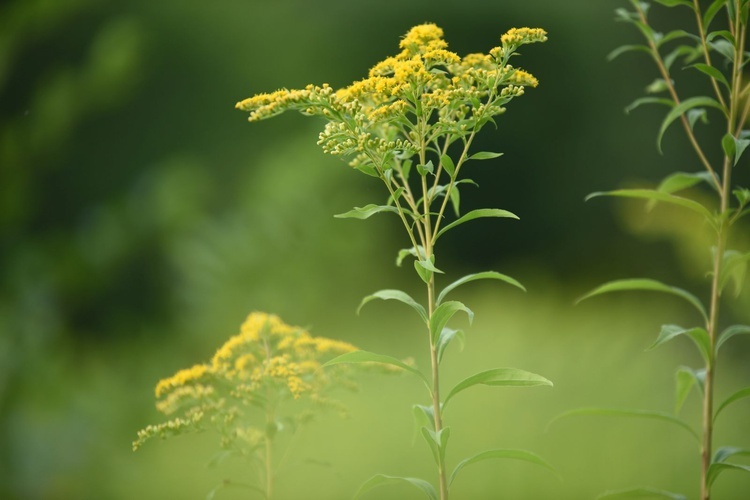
246	394
411	125
714	49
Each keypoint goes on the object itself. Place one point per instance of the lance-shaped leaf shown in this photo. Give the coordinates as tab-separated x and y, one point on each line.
675	3
403	253
734	270
627	48
719	464
371	357
382	479
648	285
234	485
447	336
681	109
617	412
510	377
651	194
395	295
424	416
711	12
476	214
478	276
741	394
438	442
443	313
648	100
448	165
731	332
682	180
712	72
685	379
484	155
523	455
698	335
368	211
641	492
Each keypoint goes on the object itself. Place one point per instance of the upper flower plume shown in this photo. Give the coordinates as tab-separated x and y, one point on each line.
376	118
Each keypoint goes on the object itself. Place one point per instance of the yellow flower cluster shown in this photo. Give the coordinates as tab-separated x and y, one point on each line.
267	362
376	118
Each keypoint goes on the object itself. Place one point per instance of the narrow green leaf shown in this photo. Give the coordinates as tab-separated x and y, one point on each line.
424	415
675	3
448	165
510	377
649	285
425	169
429	265
446	337
685	379
680	109
476	214
403	253
445	312
371	357
456	200
724	48
615	412
741	394
731	332
523	455
648	100
234	484
728	145
484	155
711	72
478	276
642	492
367	168
725	452
382	479
657	86
734	270
698	335
395	295
674	35
716	469
367	211
627	48
690	54
679	181
424	274
650	194
438	442
711	12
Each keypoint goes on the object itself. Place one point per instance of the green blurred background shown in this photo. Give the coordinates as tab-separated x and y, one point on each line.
142	217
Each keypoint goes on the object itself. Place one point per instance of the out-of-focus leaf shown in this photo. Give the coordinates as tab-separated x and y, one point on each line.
641	492
716	469
730	332
510	377
682	180
685	379
382	479
437	441
675	3
741	394
616	412
371	357
523	455
711	12
416	253
648	285
648	100
650	194
627	48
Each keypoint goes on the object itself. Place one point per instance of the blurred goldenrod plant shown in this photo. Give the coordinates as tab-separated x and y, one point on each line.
411	124
246	393
713	49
